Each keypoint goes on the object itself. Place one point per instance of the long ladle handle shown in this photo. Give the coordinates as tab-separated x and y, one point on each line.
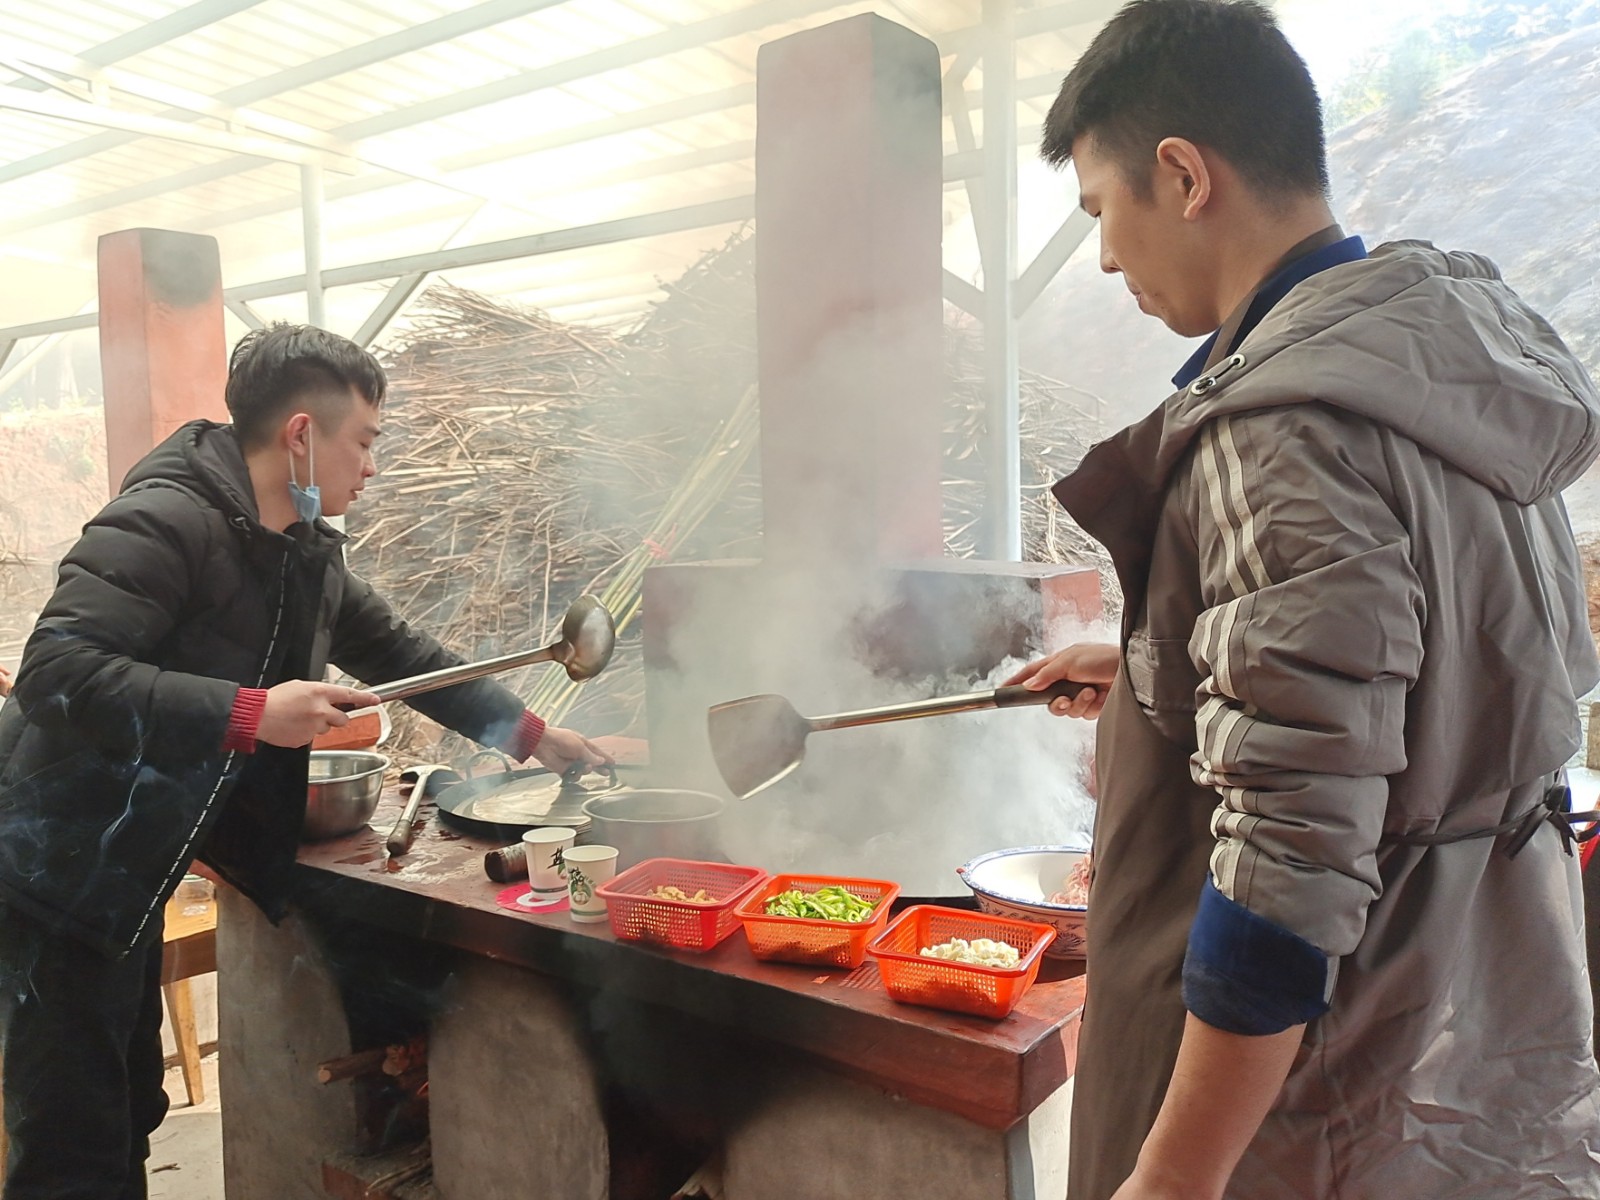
1006	697
413	685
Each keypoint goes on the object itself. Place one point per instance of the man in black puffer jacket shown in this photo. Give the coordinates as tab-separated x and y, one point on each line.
162	712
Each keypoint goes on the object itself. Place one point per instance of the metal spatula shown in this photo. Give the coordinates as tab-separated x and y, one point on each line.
758	740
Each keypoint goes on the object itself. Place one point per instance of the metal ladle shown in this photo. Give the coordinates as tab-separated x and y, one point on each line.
588	636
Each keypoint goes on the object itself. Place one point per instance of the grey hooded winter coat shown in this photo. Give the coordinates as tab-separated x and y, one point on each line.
1356	617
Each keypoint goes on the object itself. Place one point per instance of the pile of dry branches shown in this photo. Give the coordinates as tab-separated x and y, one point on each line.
527	462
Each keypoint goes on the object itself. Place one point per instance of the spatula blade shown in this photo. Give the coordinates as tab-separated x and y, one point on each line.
755	741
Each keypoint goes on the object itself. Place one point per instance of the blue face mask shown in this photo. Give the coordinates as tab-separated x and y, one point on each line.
307	500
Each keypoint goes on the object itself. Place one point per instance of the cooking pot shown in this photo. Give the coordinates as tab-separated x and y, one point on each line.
342	790
656	823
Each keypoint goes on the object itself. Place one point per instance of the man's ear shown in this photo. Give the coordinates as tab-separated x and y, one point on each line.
1182	167
297	433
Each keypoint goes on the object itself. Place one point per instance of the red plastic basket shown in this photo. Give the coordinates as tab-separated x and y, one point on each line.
682	924
809	940
912	978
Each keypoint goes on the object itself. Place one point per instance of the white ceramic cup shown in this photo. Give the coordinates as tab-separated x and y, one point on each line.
546	847
587	868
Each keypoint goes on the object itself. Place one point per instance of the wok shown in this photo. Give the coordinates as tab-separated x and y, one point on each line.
507	804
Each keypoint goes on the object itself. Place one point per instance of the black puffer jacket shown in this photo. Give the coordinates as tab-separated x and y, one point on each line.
112	773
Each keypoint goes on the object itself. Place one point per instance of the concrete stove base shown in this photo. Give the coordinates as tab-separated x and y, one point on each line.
564	1063
516	1101
278	1016
515	1107
826	1138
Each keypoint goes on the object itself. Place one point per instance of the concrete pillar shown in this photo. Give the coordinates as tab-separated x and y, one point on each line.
849	309
278	1016
163	358
514	1106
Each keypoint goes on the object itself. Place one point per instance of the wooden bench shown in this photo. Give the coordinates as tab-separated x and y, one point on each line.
190	949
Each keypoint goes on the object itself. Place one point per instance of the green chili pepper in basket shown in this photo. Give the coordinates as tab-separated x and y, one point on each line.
831	903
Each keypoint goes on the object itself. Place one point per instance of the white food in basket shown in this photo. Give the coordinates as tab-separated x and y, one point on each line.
979	952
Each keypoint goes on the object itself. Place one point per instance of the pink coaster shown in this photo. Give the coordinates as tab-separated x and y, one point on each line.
519	898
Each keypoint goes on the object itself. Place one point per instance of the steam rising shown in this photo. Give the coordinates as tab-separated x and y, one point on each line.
907	801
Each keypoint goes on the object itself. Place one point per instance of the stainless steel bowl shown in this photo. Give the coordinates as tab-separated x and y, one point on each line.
341	792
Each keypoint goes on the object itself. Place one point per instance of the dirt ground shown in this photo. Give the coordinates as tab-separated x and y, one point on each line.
186	1152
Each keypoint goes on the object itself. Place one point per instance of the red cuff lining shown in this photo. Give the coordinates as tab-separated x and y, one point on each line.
245	720
525	738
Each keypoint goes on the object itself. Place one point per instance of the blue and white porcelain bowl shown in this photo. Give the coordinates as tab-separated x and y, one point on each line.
1018	883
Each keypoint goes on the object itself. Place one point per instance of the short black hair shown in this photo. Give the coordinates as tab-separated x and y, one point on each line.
1218	73
285	365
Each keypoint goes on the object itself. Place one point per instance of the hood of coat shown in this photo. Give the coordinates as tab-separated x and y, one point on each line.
1432	344
205	457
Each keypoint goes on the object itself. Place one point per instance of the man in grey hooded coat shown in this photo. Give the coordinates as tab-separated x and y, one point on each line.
1336	935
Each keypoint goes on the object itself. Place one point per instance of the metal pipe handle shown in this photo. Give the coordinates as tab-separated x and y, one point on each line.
413	685
1007	697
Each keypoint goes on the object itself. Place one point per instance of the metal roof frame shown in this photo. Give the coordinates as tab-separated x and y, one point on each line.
158	33
677	220
353	58
962	42
964	168
266	137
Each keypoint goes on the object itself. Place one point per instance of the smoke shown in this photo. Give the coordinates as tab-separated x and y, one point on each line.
907	801
853	606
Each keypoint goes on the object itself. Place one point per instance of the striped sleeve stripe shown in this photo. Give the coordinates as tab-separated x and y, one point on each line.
1216	494
1210	713
1224	620
1223	720
1218	726
1250	552
1222	735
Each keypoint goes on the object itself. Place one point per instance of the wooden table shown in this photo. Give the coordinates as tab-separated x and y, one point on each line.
993	1073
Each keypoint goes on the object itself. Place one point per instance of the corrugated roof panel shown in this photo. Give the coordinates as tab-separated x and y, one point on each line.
278	34
26	134
635	20
45	195
91	22
228	54
544	38
547	112
583	26
681	12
